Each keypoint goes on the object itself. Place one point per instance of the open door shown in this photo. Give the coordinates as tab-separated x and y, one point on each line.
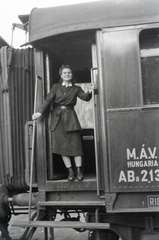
98	105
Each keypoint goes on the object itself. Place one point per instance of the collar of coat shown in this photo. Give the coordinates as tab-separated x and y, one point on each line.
67	85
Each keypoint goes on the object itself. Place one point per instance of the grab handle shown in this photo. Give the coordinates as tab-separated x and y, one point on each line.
93	77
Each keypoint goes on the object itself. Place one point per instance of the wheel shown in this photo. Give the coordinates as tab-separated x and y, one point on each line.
102	235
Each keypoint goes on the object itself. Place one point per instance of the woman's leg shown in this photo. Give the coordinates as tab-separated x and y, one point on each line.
67	162
78	162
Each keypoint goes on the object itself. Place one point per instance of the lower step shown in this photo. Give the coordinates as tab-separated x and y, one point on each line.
62	224
73	203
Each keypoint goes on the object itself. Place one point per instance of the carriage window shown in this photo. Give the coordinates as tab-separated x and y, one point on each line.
149	46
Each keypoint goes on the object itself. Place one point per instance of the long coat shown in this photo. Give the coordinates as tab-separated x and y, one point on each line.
64	96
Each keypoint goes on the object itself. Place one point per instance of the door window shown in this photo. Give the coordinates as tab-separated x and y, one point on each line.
149	46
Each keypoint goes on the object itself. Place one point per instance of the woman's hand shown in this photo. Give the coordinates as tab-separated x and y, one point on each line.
36	116
91	87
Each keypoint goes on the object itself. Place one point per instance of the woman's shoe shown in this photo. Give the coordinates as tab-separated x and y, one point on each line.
71	175
79	174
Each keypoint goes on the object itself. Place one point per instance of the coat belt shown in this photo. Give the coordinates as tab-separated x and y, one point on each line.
64	107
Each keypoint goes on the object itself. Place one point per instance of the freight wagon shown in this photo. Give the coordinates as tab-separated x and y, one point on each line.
113	44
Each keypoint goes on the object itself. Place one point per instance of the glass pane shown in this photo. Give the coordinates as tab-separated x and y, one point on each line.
149	46
150	80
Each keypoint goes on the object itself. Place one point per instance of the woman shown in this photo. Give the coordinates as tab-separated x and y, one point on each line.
64	122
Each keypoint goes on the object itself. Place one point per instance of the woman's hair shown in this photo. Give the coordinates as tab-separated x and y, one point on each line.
65	66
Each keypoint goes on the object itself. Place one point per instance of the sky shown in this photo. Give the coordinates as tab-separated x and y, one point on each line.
10	9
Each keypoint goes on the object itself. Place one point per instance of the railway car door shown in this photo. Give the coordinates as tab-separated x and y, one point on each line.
99	115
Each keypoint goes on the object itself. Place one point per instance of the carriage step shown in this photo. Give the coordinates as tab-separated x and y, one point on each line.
62	224
73	203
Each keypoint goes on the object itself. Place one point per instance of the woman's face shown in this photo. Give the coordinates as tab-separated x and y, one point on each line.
66	74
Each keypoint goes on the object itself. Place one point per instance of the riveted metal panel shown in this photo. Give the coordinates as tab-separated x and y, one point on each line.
133	150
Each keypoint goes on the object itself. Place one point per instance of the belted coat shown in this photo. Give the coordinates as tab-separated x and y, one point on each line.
64	96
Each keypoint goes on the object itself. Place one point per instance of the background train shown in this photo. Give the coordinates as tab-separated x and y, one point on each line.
115	45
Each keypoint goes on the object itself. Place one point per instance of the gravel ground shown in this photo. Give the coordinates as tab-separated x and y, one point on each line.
59	234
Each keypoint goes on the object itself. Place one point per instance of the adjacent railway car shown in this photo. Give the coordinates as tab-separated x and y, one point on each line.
114	45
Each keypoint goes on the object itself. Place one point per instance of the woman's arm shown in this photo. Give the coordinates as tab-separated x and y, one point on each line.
50	97
86	96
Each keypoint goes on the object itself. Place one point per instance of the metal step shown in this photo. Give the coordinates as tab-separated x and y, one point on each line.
62	224
73	203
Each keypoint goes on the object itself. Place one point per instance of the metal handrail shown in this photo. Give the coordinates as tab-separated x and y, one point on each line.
95	129
32	153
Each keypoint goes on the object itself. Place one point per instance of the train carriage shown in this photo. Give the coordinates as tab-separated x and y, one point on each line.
113	45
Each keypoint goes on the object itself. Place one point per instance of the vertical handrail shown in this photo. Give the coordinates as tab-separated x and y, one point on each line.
95	130
97	221
50	172
32	153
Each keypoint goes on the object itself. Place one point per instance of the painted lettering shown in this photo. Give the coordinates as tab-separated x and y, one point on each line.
131	154
131	176
143	154
154	201
152	153
122	177
145	163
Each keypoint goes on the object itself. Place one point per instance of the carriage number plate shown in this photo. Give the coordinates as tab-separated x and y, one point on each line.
153	201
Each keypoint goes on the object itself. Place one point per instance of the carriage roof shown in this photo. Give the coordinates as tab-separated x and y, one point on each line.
46	22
